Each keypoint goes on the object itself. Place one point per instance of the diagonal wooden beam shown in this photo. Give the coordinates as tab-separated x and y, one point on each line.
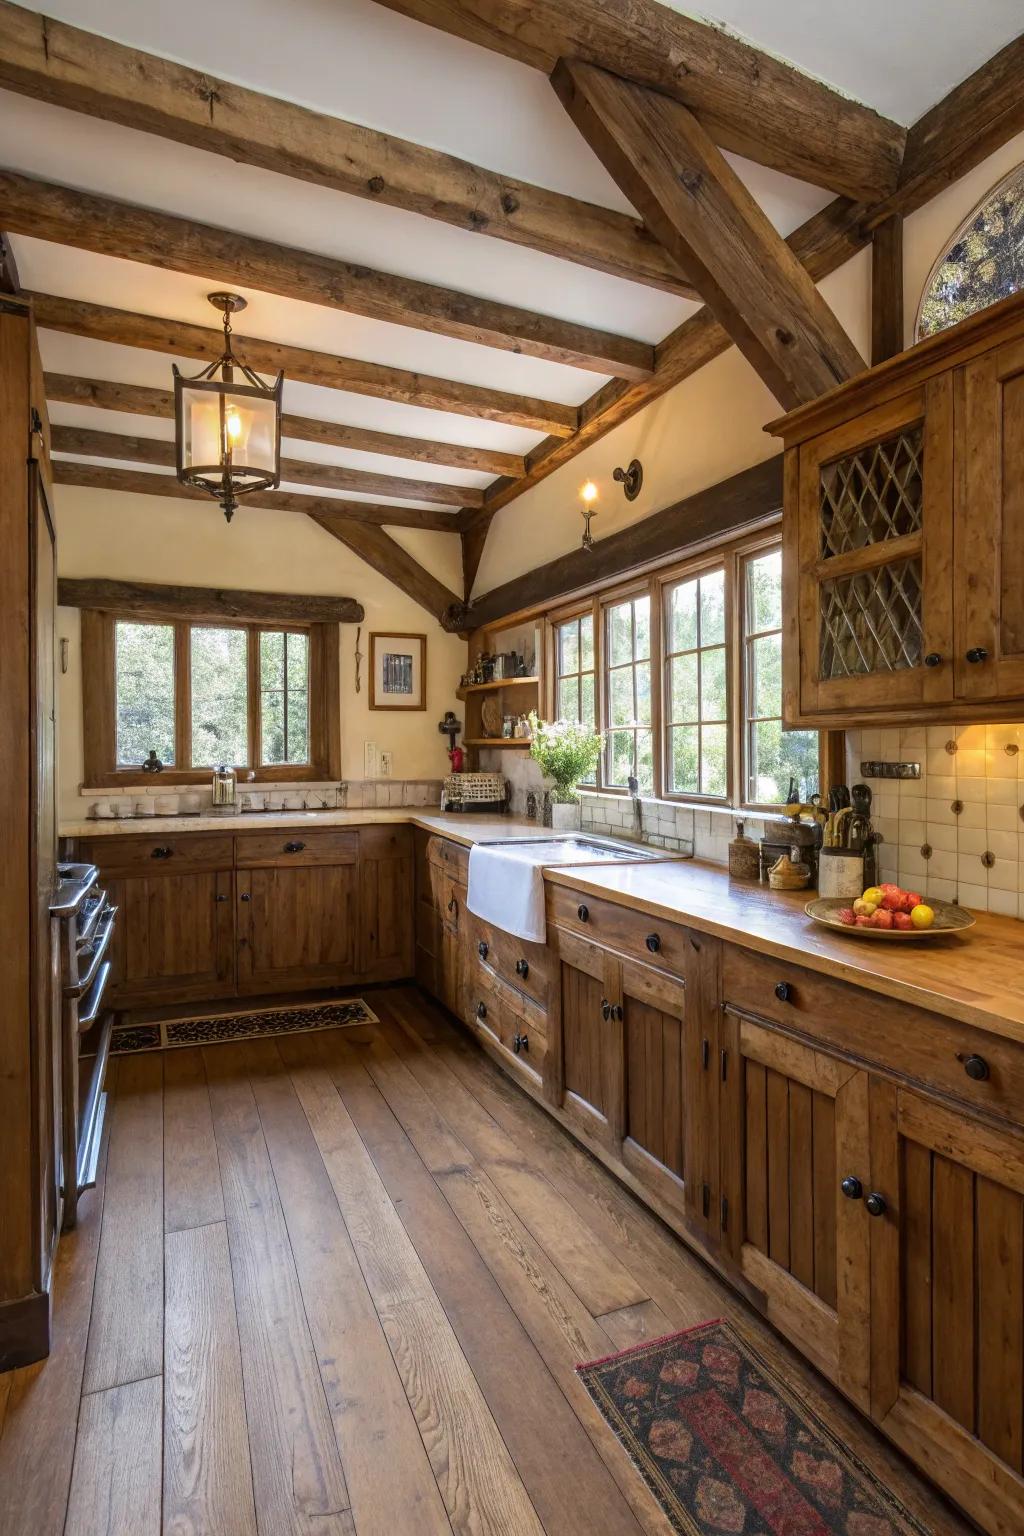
748	100
336	477
474	537
386	555
670	168
141	400
141	482
98	322
89	222
50	61
9	282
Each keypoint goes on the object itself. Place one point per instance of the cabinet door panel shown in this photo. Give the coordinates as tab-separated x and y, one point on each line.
948	1297
297	926
386	920
655	1126
174	937
584	1066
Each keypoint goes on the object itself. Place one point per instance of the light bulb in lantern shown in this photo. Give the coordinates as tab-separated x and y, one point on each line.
234	426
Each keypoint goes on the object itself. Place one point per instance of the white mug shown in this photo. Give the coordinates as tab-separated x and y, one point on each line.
102	810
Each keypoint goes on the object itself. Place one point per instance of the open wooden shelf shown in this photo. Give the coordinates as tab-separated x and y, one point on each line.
497	741
499	682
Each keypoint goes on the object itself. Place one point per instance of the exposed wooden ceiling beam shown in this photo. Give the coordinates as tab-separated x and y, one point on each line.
336	477
386	555
82	219
473	540
152	599
72	68
142	400
670	168
9	282
887	289
748	100
982	113
98	322
140	482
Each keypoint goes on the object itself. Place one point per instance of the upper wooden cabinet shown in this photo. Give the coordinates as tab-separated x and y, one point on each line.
904	535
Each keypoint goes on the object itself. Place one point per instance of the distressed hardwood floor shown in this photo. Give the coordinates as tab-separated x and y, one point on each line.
336	1285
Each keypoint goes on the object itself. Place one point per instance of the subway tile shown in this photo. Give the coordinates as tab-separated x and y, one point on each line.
940	811
1000	765
1003	903
970	788
913	738
942	834
913	789
938	760
912	865
971	765
999	736
870	743
973	813
937	736
886	803
969	895
941	786
890	745
1005	875
912	832
972	840
970	737
969	867
942	864
1003	818
1005	845
1002	791
942	890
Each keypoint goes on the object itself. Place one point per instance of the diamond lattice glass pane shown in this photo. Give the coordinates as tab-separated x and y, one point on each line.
871	621
872	495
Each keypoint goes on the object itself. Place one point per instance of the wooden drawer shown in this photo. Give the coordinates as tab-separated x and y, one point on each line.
524	966
508	1019
297	847
174	853
913	1043
650	939
450	856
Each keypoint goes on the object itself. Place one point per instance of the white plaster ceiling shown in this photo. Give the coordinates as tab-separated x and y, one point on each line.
365	63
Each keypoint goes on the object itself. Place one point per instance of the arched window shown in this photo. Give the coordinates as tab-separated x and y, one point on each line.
984	262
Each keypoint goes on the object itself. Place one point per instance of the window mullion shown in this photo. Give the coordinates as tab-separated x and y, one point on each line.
253	701
182	694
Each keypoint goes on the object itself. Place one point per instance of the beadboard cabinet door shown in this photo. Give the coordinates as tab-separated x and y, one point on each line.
174	939
297	926
585	1068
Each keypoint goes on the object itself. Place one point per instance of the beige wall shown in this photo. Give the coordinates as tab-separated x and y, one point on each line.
710	425
143	538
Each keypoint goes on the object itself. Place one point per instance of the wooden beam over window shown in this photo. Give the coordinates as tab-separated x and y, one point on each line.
50	61
669	167
140	400
97	322
748	100
89	222
336	477
140	482
150	599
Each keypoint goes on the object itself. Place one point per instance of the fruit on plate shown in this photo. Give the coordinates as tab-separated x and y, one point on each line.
847	915
883	918
922	916
863	922
862	907
873	894
903	921
892	901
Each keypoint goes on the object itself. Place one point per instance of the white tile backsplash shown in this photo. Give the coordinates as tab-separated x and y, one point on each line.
967	809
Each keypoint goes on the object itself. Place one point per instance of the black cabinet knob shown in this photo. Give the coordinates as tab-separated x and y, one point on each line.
582	912
933	659
521	1043
852	1188
523	968
876	1204
161	853
481	950
481	1010
606	1009
451	904
976	1068
784	991
294	847
245	896
617	1013
976	654
653	942
220	896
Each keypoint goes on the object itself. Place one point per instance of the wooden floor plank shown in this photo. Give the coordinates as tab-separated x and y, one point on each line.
482	1490
207	1478
364	1390
635	1325
192	1189
298	1480
126	1330
37	1447
115	1488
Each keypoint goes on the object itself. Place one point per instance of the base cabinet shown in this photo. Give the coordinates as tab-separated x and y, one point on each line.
296	927
174	940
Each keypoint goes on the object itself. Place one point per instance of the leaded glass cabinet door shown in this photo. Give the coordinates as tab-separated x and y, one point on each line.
875	555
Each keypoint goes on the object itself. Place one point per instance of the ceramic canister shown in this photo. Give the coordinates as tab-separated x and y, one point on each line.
840	872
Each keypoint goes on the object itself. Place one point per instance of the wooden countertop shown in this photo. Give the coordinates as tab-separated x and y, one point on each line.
460	828
977	977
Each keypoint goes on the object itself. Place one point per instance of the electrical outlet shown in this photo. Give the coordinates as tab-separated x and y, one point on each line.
385	765
371	760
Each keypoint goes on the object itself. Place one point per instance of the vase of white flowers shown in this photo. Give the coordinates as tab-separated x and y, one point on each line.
566	752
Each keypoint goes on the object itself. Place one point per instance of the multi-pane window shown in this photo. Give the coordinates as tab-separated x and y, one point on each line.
629	746
284	695
143	692
575	682
219	675
772	757
697	687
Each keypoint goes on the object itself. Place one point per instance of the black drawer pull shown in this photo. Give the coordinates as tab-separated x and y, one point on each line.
784	991
523	968
481	1010
245	896
452	904
606	1009
976	1068
521	1043
294	847
852	1188
617	1012
653	942
583	912
705	1054
976	654
161	853
481	949
875	1203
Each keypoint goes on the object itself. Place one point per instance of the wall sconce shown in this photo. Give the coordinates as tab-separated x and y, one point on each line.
588	495
631	479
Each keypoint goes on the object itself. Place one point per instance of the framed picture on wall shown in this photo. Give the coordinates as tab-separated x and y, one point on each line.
398	671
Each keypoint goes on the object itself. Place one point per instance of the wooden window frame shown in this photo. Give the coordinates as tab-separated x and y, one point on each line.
708	562
552	627
99	701
605	604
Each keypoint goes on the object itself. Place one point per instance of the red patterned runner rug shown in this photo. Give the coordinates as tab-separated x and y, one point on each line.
729	1449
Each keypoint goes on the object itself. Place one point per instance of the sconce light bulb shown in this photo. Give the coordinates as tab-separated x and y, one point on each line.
588	492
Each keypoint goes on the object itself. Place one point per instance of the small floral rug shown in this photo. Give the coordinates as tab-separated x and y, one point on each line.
728	1449
240	1026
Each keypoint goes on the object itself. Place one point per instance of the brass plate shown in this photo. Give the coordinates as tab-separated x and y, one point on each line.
491	717
949	918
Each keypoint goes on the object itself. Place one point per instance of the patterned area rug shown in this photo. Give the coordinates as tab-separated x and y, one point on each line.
728	1449
241	1026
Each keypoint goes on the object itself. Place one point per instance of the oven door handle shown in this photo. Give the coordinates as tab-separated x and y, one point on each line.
91	1008
89	926
100	945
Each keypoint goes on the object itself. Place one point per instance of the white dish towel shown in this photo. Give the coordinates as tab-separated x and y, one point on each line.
506	888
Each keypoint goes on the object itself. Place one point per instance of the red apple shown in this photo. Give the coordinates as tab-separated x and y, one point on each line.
882	919
911	900
847	915
902	921
887	887
892	901
864	922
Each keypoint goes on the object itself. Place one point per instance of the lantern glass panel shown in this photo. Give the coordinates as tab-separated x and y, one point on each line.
218	423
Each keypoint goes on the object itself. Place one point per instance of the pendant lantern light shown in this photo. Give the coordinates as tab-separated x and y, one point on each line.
228	423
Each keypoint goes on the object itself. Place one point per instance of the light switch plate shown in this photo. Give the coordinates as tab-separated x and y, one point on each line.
371	760
385	765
